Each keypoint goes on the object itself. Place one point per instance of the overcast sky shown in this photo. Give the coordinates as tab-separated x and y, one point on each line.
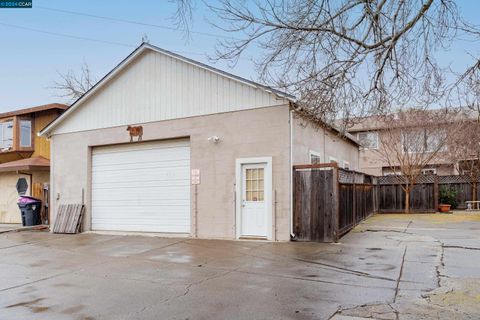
38	43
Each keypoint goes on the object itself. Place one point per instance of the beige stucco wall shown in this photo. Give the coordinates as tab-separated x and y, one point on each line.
261	132
308	136
9	212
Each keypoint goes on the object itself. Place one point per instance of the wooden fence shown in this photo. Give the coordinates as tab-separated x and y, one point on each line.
425	196
315	204
356	199
328	201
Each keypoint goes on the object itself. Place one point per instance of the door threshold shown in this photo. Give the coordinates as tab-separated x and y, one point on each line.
252	238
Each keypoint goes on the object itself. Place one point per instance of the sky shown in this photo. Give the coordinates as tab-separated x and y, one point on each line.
39	43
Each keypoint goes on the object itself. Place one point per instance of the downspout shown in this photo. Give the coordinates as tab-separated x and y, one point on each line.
292	235
358	159
52	198
324	146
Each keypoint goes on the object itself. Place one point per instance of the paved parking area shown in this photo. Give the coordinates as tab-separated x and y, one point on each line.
390	267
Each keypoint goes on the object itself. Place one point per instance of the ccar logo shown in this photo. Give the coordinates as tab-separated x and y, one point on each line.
15	4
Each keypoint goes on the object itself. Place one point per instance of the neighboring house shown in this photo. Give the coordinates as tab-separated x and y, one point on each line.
369	133
216	155
24	155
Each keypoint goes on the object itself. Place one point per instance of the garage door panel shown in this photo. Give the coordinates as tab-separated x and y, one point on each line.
174	212
158	193
146	166
141	228
142	187
147	219
164	176
141	202
134	158
144	183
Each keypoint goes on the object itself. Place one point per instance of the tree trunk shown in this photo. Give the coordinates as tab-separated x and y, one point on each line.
474	191
407	199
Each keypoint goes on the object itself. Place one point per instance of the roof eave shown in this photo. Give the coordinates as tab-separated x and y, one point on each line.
345	135
25	168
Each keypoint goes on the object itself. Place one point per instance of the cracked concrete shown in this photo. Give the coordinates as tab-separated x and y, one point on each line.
389	267
441	278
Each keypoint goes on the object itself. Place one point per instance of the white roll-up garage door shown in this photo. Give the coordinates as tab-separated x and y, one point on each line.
142	187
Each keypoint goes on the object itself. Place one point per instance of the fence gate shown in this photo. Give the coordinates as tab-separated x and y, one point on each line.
329	202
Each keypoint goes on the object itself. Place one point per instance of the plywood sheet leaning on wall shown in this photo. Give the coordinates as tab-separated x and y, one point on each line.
69	218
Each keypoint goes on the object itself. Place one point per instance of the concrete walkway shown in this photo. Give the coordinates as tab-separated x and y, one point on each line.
390	267
7	227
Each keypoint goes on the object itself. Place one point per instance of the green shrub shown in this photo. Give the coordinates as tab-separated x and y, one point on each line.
448	196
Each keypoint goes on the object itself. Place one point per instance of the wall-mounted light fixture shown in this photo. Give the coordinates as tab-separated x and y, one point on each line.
213	139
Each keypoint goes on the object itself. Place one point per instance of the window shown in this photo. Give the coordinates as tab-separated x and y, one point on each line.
6	135
254	184
423	140
429	171
25	133
315	157
389	172
435	140
368	140
346	165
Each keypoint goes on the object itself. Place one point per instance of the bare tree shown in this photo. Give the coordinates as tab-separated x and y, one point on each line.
346	59
73	85
182	16
411	140
466	145
465	151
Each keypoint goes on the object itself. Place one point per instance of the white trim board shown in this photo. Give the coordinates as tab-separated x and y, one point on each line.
314	153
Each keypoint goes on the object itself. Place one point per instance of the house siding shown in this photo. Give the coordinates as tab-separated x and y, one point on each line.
262	132
307	136
373	161
9	211
41	144
157	87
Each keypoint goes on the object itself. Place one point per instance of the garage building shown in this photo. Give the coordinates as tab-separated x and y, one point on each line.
169	145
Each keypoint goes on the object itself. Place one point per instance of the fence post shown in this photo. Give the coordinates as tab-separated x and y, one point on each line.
335	204
354	202
435	193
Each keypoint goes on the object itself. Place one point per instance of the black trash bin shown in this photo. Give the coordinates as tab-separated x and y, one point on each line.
30	209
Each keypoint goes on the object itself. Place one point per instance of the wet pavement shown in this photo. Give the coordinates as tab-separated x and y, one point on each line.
389	267
7	227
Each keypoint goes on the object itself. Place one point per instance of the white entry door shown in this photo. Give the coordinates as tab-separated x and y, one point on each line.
254	219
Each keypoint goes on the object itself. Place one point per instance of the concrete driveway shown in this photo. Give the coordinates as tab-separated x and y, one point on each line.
390	267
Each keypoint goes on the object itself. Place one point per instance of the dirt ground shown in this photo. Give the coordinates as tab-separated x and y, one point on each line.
389	267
